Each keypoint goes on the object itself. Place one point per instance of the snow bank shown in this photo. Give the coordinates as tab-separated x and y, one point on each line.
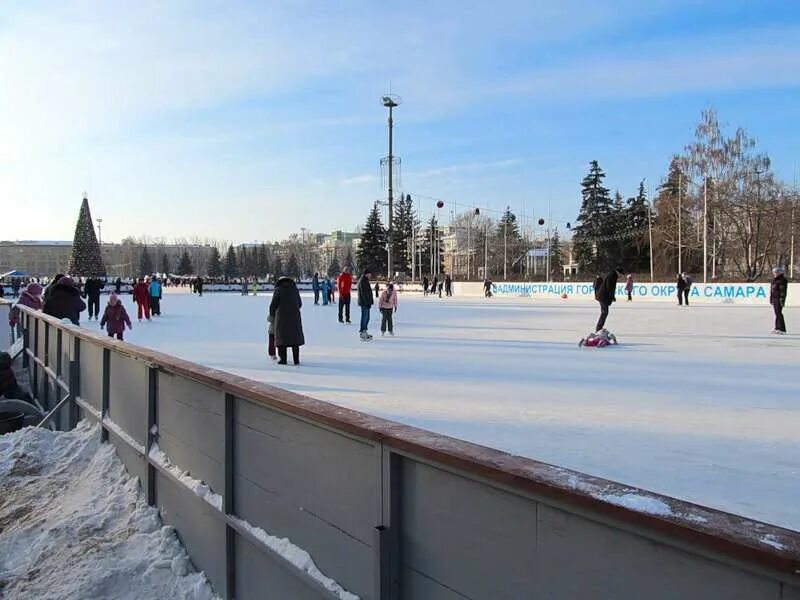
74	524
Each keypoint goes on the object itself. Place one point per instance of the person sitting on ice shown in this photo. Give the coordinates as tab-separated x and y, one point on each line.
600	339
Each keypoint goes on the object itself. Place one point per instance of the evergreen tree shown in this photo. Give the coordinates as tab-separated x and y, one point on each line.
592	239
508	245
214	266
231	269
86	259
348	261
334	269
145	263
292	267
185	265
428	245
243	261
405	220
263	261
637	251
165	264
556	261
372	249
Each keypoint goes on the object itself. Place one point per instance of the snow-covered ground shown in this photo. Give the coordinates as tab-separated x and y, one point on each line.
74	524
700	403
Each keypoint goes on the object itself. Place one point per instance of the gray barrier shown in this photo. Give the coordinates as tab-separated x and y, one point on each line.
388	511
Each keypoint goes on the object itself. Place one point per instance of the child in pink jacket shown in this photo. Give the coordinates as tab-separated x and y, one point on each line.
387	304
115	317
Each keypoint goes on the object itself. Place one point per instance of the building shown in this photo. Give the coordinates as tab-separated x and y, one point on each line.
35	258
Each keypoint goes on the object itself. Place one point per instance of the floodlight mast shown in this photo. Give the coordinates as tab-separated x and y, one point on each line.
390	102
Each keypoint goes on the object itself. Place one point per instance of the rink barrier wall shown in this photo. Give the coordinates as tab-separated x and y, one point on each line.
701	293
387	510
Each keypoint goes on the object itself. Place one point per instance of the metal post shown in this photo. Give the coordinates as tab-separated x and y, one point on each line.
75	382
152	424
791	243
387	538
106	393
650	229
680	220
486	251
705	230
505	247
228	499
469	244
391	199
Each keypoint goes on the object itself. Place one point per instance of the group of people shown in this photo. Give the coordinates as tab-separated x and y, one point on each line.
437	286
605	294
285	323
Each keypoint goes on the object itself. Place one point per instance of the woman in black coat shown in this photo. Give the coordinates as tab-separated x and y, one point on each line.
285	312
64	301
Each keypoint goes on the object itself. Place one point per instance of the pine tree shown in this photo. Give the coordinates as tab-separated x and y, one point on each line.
428	246
335	268
509	250
292	267
86	259
592	240
372	249
405	220
637	251
231	269
145	263
556	262
214	266
263	261
185	266
348	261
165	264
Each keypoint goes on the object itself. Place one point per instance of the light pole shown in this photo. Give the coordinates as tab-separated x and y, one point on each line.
705	229
100	231
680	220
390	102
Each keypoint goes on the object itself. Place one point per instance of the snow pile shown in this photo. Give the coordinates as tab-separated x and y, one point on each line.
639	503
771	540
74	524
196	485
298	557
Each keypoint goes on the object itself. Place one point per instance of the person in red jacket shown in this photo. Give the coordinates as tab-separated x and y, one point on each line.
345	284
115	317
141	295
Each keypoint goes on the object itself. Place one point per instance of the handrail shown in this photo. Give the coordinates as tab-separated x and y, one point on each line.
732	535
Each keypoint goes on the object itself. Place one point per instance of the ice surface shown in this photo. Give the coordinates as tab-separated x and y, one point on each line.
700	403
74	524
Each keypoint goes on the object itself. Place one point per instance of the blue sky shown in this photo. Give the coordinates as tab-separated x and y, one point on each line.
247	121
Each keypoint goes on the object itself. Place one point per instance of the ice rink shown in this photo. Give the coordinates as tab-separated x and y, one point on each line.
701	403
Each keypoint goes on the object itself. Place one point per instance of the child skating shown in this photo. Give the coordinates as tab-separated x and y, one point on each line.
115	317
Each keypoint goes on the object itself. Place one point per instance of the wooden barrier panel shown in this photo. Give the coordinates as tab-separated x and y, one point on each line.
386	510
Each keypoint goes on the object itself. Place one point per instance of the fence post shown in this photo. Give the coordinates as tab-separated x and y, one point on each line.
35	381
106	394
75	382
387	532
228	499
152	424
26	338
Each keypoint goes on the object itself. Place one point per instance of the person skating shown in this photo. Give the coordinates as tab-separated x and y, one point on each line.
91	291
331	291
315	287
680	284
487	288
777	297
629	287
688	287
51	286
605	294
118	286
287	321
448	285
365	302
325	288
425	283
244	286
377	290
441	287
387	304
141	296
199	285
64	301
434	284
115	317
154	290
345	284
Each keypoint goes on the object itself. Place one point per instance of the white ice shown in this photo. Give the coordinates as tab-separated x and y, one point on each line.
75	524
700	403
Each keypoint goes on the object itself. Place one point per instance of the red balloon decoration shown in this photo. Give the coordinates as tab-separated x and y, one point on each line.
439	204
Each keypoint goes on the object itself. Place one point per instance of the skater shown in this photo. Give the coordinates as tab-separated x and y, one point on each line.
682	290
777	297
51	285
688	280
605	293
325	288
155	296
345	284
441	287
377	290
365	302
315	287
118	286
487	288
601	339
434	284
141	295
91	291
387	304
198	284
64	301
331	291
288	324
629	287
115	317
448	285
244	286
31	296
271	338
425	283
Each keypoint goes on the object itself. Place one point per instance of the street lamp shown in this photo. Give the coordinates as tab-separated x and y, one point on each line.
390	101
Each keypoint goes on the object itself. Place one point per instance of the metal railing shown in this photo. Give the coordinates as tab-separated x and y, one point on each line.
388	511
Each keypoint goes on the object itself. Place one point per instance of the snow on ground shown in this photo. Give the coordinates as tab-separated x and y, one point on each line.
74	524
700	403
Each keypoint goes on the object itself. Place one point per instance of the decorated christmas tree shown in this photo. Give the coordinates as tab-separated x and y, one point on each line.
86	260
